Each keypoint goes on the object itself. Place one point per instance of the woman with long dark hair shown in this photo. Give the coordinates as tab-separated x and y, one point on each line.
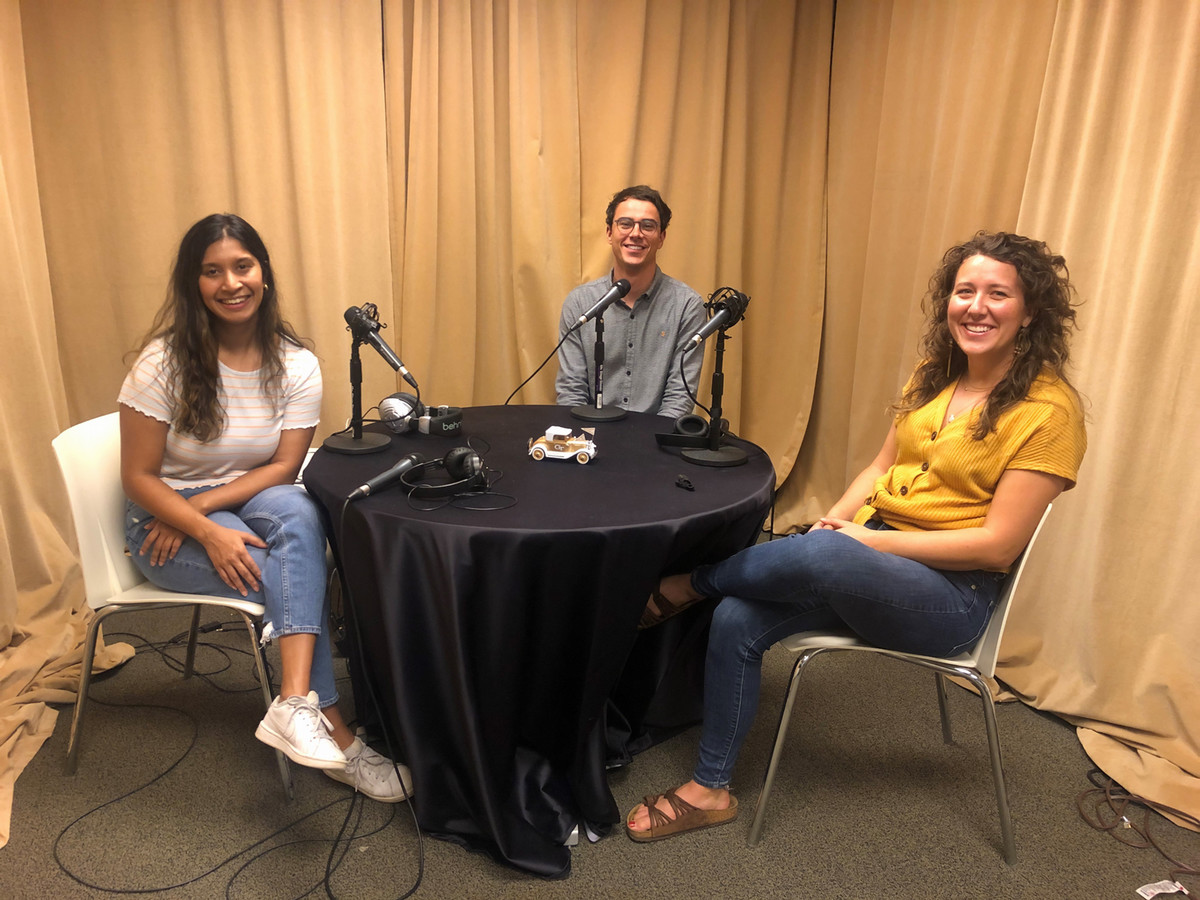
216	417
987	432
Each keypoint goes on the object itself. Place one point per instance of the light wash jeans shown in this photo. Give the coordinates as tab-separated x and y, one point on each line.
292	587
814	581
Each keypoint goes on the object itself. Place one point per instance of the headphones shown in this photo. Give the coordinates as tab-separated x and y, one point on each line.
693	425
464	472
404	412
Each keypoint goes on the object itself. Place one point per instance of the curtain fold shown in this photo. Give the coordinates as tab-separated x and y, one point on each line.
451	162
1114	186
41	627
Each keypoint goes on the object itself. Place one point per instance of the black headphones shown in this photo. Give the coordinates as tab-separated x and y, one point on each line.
693	425
464	472
404	412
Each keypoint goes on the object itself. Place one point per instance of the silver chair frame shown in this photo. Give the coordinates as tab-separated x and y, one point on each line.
975	666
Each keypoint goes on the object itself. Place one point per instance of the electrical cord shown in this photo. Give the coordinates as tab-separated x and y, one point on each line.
339	844
65	867
1109	807
695	400
539	368
350	611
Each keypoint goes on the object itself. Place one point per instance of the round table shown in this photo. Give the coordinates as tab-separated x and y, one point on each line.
495	639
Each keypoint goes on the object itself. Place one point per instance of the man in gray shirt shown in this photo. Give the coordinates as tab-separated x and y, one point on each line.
645	332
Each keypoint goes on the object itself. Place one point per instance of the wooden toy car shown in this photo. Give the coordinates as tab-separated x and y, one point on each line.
559	443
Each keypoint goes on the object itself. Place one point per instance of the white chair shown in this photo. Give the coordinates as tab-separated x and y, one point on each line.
89	456
975	665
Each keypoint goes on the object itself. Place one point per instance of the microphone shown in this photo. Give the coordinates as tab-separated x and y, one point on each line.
366	328
612	295
730	305
382	480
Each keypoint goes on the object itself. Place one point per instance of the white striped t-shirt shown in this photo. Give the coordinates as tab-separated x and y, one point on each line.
251	434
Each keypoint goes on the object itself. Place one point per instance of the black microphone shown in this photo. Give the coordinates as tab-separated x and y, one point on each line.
382	480
619	289
731	306
365	328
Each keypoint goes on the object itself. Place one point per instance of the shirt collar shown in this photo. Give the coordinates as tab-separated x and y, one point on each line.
651	292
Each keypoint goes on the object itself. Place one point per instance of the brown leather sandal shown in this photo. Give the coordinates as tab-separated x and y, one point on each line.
687	818
666	609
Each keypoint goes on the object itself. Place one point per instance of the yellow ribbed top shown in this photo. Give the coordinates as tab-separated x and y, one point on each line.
944	478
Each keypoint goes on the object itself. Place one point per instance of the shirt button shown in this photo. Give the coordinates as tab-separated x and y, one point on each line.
924	467
903	492
631	344
933	436
624	399
627	372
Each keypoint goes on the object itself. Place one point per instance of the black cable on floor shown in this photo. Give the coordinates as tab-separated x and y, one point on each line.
340	844
352	614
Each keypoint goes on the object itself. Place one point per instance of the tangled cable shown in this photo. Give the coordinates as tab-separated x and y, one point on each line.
1109	807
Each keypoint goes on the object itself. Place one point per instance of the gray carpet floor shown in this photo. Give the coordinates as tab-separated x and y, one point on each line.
174	796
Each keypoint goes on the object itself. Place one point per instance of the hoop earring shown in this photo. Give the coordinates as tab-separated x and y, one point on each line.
1022	343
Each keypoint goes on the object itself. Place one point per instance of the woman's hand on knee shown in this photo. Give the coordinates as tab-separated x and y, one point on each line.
162	542
226	548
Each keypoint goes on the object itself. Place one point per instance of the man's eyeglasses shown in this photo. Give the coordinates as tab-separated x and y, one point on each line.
648	226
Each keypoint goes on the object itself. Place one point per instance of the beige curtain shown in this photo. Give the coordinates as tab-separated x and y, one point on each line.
1114	182
512	124
451	161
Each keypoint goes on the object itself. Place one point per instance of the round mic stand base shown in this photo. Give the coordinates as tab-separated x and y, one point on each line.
369	442
603	414
722	456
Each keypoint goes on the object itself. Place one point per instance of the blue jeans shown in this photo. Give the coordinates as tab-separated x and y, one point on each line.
292	587
816	581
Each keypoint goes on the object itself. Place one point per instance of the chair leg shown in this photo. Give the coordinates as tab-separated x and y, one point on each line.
785	716
993	737
260	663
190	660
85	682
940	680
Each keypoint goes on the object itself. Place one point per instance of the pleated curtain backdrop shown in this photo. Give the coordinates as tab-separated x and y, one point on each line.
451	161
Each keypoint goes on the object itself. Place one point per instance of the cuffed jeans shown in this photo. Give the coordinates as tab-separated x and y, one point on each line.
816	581
292	586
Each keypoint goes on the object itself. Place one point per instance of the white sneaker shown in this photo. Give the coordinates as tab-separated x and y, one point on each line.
297	727
373	774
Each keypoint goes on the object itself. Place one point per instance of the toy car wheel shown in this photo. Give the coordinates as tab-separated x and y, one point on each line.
582	457
538	453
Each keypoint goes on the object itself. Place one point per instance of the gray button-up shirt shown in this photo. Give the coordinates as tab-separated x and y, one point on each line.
641	348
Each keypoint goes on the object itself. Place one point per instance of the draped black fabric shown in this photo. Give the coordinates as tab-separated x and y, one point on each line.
495	640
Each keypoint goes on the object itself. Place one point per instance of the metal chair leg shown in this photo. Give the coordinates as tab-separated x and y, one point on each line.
85	681
993	738
260	663
940	680
785	717
191	644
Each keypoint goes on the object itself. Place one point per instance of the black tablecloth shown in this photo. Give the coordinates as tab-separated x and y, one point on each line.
495	638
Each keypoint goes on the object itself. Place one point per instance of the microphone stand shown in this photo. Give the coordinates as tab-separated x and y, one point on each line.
599	412
707	449
357	442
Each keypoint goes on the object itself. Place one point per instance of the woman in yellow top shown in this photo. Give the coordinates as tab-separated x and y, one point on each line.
987	432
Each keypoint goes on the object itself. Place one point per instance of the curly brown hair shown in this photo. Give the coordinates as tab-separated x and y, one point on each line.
1044	342
185	325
